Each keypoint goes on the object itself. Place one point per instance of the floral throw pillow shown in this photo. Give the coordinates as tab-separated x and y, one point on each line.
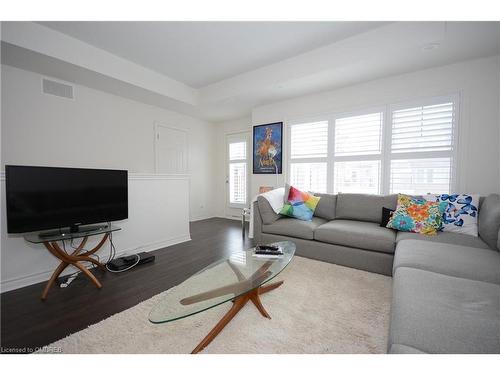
460	215
300	205
417	215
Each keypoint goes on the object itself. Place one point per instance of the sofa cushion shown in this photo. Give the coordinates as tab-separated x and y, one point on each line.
300	204
326	206
460	261
359	234
445	237
364	207
266	211
404	349
437	313
417	215
489	220
294	227
460	214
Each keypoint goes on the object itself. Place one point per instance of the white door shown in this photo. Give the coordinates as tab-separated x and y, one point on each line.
171	150
237	168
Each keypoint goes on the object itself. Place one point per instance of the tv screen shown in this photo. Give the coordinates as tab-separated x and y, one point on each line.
40	198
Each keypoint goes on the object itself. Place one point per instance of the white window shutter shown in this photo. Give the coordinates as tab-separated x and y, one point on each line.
237	151
422	148
358	135
309	140
421	176
237	183
426	128
357	177
237	172
308	176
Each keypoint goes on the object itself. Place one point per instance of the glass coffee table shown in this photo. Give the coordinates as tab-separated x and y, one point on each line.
240	278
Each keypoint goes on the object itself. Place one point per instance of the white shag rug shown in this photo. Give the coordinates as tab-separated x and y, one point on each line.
320	308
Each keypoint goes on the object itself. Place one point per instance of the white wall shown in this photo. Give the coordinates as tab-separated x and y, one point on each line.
97	130
477	81
157	218
102	131
222	130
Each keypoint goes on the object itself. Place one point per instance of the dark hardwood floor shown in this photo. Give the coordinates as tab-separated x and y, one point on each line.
28	322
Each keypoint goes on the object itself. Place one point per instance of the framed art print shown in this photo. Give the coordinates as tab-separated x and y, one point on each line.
267	148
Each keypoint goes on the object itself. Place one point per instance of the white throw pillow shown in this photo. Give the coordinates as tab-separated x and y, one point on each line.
461	213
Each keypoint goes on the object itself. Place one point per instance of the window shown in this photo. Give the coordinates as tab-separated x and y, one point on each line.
237	178
357	177
358	153
358	135
308	156
422	149
420	176
397	149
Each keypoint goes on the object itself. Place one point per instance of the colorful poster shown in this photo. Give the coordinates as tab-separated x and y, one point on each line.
267	148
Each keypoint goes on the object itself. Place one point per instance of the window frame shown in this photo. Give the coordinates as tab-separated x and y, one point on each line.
386	155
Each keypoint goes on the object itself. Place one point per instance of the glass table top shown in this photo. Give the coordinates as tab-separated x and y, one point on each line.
220	282
59	235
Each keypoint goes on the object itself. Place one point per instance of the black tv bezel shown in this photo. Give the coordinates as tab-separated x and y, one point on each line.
68	225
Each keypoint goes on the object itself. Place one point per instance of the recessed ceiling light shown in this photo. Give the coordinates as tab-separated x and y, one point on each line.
430	46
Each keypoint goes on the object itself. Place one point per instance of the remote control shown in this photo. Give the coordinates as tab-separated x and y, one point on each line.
267	247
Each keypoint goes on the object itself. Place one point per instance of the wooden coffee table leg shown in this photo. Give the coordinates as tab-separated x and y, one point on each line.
238	304
268	288
254	297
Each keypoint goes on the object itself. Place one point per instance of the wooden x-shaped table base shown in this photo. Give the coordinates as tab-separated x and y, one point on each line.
252	295
73	259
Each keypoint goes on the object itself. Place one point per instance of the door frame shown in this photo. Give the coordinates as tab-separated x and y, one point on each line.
156	129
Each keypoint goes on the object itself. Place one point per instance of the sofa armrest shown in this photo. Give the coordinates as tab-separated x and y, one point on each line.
257	223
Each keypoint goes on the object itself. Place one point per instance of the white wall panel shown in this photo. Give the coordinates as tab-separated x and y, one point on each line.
158	217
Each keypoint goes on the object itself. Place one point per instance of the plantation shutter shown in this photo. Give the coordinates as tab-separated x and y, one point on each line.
422	140
427	128
358	153
237	173
308	154
358	135
309	140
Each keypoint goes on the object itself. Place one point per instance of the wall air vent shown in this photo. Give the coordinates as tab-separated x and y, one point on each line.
62	90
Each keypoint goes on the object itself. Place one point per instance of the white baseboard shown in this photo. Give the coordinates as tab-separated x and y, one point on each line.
22	281
203	217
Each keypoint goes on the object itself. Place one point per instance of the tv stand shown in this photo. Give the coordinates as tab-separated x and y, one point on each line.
69	232
77	256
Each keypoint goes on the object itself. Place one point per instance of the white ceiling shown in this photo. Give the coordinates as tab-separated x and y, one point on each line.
237	66
202	53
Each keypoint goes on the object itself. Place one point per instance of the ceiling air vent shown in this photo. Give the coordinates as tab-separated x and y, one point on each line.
57	88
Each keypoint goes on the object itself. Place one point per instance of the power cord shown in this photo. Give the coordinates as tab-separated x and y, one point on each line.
112	255
112	249
128	268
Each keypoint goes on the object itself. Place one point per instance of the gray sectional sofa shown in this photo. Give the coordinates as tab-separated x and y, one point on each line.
446	288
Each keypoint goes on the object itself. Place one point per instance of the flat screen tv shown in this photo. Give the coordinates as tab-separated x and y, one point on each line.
40	198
